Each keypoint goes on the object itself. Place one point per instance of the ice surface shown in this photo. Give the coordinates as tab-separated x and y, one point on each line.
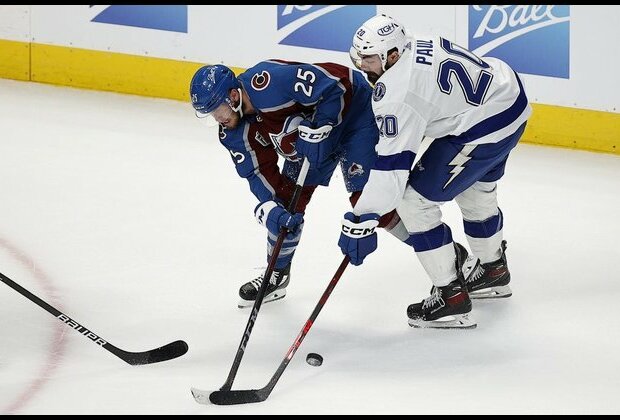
127	214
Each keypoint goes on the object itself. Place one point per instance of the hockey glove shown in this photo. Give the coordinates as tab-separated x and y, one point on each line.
358	237
274	217
310	142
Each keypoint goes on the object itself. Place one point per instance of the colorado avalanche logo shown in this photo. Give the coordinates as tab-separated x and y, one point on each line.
355	169
379	92
284	141
261	80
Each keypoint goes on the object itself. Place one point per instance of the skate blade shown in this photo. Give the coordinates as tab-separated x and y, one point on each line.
463	321
497	292
276	295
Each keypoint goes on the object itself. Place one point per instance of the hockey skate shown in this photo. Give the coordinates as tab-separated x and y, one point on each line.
276	289
490	280
448	306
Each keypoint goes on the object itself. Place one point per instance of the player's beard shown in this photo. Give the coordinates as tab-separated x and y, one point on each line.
232	121
372	77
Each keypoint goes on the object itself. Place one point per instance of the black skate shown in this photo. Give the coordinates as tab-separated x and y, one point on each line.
448	306
490	280
276	289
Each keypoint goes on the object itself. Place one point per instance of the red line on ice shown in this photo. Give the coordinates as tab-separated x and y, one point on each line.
57	349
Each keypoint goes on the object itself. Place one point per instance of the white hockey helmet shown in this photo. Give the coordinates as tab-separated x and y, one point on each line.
378	35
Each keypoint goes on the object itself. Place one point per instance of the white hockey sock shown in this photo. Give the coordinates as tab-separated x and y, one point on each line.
439	264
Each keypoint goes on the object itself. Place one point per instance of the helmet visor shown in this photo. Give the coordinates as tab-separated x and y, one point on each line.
355	58
220	115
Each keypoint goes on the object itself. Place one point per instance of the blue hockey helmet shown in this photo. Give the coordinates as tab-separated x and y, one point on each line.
210	86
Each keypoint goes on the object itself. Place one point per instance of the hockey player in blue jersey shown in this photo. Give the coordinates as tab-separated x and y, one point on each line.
476	111
293	110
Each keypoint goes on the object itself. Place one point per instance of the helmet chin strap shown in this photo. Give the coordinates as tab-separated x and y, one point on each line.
387	66
239	108
384	63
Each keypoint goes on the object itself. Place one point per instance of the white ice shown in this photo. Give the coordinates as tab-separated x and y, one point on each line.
125	213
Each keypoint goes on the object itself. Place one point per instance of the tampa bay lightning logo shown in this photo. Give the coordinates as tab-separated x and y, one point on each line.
166	18
533	39
321	26
379	92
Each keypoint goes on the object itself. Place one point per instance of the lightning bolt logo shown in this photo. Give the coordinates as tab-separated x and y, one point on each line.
459	160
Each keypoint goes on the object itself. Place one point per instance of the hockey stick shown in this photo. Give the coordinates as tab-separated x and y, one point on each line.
160	354
229	397
301	178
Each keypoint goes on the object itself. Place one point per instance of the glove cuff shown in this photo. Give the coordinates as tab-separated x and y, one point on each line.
314	135
361	229
261	212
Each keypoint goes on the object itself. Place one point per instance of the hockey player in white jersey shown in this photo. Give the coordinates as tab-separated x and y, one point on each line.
475	110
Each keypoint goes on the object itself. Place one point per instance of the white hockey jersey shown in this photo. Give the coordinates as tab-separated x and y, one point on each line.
437	89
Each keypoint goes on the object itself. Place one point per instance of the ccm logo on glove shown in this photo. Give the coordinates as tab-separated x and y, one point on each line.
358	238
359	230
313	135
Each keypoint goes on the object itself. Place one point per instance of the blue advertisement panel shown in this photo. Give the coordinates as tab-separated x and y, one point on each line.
533	39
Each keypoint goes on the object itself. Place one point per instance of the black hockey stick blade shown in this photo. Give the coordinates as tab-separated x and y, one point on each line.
229	397
238	397
161	354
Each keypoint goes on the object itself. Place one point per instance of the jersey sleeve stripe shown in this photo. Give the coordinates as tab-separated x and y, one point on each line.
403	160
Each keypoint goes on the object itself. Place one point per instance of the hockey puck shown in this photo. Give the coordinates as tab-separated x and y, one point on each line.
314	359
